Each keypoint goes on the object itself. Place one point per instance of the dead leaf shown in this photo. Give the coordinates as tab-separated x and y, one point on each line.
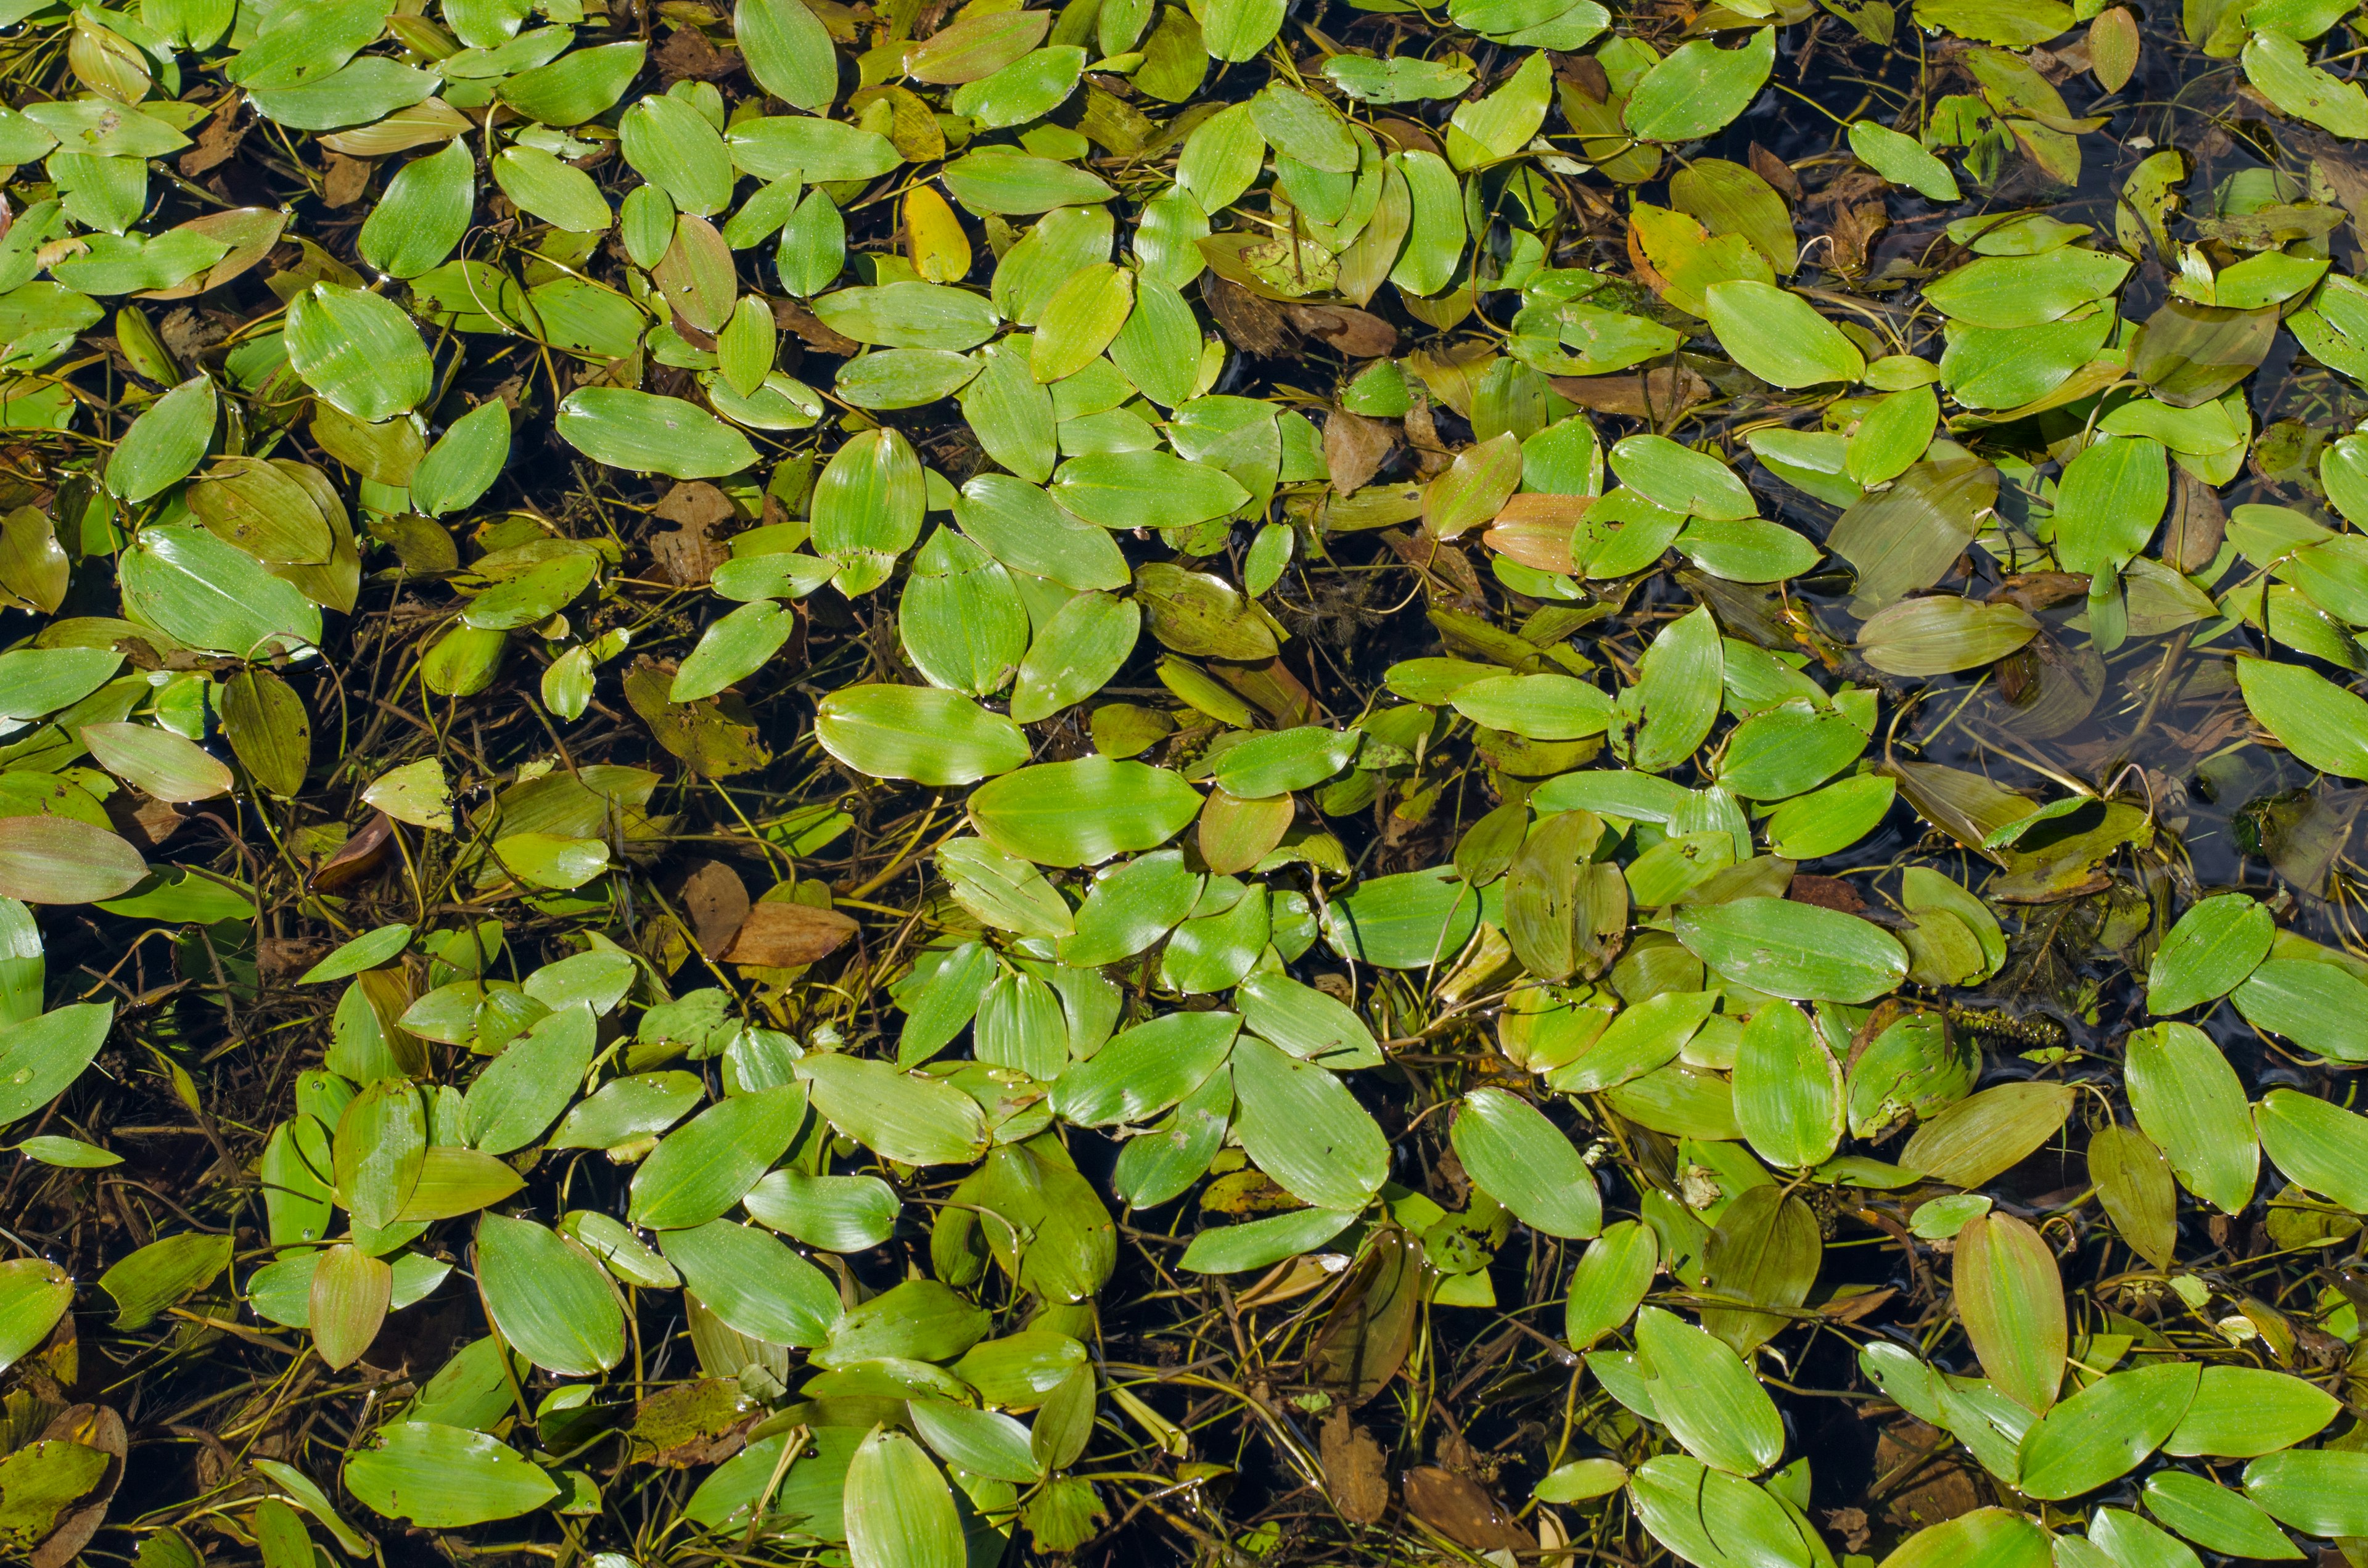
218	142
781	935
2037	590
346	179
1656	395
1354	448
1854	232
1353	1471
1851	1524
1826	892
1348	332
1405	136
1779	174
357	857
810	329
1368	1331
715	903
1930	1491
156	820
686	555
687	56
1250	323
1463	1510
2198	523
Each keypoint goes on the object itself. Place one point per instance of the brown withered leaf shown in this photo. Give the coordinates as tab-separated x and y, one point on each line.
1826	892
1405	136
1252	325
1854	230
1656	395
687	55
2198	523
1925	1490
2037	590
1270	687
1463	1510
686	555
357	857
1347	331
714	902
1370	1329
346	179
781	935
792	317
1354	448
1777	173
218	141
1353	1470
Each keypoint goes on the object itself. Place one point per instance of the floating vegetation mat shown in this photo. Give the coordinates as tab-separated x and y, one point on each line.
1244	783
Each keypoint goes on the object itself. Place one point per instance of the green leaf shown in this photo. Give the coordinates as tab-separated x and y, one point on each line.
57	860
1146	489
1794	949
2010	1300
1699	88
163	1274
2320	1146
548	1297
913	1120
1989	1133
2189	1100
445	1477
424	214
1413	920
705	1167
900	1512
359	351
1006	181
1084	812
1145	1070
2208	952
2216	1517
165	444
754	1283
34	1294
464	462
1986	1537
2106	1430
1610	1279
2319	722
939	738
732	649
2315	1491
2243	1412
2280	68
2026	291
651	434
1710	1401
1524	1162
1775	334
788	51
1788	1089
210	595
1902	160
2317	1005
